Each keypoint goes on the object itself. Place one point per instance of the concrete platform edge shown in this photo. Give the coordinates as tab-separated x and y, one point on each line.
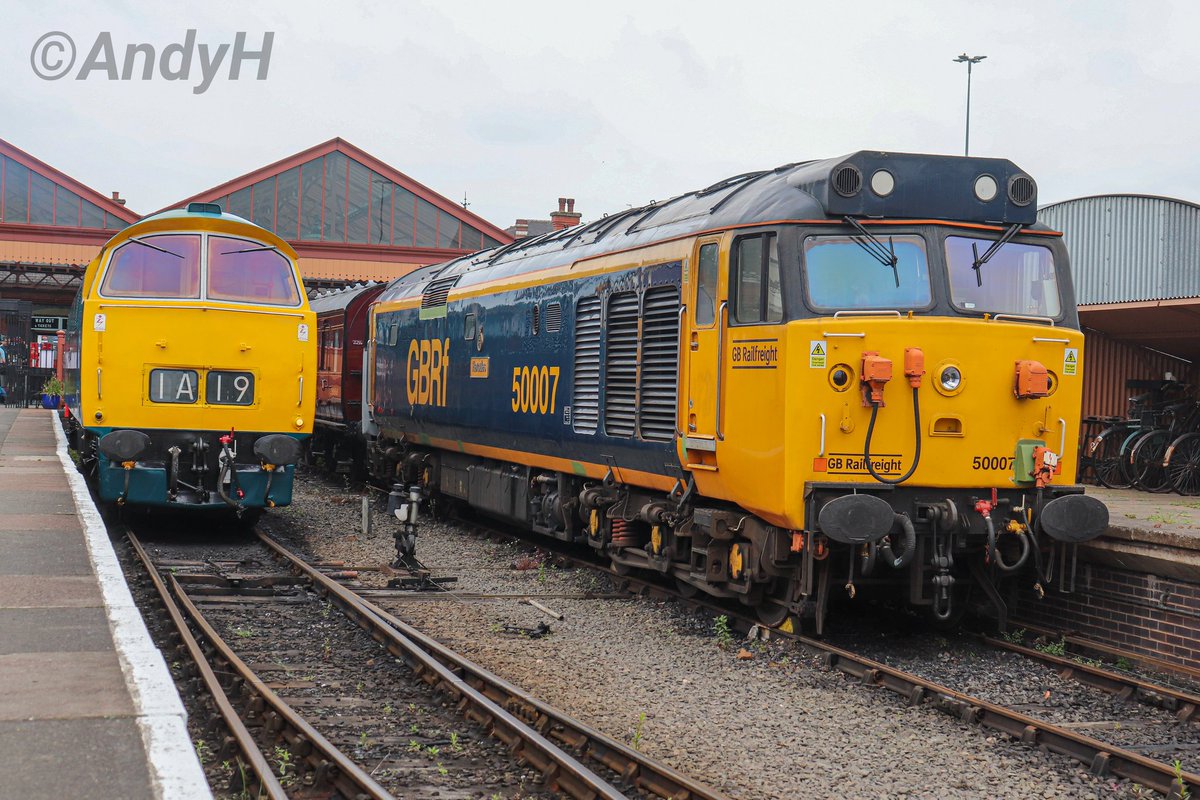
161	717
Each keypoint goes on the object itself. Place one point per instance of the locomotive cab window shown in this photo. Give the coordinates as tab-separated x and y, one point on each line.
840	274
1017	279
166	266
245	271
757	295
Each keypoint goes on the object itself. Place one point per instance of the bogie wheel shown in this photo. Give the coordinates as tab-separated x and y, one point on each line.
1183	470
1106	458
1146	461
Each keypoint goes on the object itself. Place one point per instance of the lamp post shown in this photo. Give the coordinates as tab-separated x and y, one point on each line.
969	61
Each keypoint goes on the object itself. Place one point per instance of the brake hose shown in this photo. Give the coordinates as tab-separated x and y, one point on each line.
916	455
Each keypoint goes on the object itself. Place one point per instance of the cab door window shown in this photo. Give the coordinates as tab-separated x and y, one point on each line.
706	286
757	294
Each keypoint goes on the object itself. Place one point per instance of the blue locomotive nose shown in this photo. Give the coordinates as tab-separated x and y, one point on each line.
1074	518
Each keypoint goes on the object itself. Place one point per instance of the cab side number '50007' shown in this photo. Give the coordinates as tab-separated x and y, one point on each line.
535	389
991	462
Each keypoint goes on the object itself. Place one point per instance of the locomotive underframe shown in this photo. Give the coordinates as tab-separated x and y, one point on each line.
724	551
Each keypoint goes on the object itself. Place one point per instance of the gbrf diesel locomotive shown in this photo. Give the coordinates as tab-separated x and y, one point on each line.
858	375
191	371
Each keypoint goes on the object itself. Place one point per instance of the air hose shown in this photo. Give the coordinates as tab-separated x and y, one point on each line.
908	548
994	551
916	454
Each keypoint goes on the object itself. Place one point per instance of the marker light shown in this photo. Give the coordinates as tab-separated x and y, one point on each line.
950	378
882	182
986	188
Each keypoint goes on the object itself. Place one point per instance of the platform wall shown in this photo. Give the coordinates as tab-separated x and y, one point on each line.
1159	617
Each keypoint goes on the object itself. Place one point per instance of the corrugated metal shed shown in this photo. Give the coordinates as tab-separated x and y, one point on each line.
1129	248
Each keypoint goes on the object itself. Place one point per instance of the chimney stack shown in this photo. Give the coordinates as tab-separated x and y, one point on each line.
566	216
116	196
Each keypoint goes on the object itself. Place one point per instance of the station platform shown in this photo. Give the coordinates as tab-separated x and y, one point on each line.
88	708
1153	533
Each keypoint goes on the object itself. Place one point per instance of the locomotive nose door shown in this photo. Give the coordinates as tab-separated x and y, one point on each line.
706	320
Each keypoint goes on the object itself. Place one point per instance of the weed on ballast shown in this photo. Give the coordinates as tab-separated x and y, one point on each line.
1014	637
1058	648
723	632
636	739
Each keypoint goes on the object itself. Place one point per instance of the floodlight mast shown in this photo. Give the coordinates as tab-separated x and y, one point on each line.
969	61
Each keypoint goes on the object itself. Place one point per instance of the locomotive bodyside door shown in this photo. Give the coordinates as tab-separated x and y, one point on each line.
706	325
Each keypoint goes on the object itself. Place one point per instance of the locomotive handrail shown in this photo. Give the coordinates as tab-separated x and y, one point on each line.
1050	340
874	312
822	450
722	320
1062	438
835	334
215	306
1024	317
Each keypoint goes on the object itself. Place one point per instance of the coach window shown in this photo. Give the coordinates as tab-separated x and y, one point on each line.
706	286
469	327
250	272
758	297
166	266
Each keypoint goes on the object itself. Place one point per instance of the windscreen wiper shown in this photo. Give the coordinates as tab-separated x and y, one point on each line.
980	260
875	248
251	250
144	243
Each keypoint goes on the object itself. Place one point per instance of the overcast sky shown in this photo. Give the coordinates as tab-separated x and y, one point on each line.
618	103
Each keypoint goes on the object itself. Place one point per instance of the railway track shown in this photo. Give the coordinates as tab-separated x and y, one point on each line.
324	708
1102	757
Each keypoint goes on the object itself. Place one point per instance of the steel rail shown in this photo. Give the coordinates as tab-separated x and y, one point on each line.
251	754
330	763
534	721
1101	757
1124	686
1155	664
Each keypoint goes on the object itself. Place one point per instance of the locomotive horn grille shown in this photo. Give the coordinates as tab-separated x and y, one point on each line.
847	180
1022	190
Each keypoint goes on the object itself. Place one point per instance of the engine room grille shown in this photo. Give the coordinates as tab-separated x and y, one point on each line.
621	365
659	364
437	292
553	317
585	409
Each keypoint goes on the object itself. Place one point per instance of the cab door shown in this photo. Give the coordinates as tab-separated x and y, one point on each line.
706	321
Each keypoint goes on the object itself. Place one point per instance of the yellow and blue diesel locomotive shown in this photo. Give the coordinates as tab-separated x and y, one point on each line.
859	374
190	380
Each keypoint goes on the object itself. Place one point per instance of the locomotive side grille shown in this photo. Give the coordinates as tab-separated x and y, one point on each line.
621	365
553	317
585	394
437	292
659	364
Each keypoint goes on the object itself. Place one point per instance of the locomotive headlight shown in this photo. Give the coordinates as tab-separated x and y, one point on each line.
986	188
950	378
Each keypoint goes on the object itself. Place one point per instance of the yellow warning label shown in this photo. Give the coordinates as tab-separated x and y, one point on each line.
816	354
1071	361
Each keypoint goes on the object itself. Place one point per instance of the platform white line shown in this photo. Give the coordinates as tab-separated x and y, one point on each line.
161	717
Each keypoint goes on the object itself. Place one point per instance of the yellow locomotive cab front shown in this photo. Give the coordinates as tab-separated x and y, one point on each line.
195	367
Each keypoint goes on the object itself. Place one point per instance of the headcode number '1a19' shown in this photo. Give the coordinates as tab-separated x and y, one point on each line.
992	462
535	390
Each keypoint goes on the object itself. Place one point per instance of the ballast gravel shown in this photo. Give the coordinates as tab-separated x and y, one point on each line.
653	674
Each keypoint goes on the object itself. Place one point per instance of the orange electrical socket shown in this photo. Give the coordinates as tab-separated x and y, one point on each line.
914	365
876	372
1032	380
